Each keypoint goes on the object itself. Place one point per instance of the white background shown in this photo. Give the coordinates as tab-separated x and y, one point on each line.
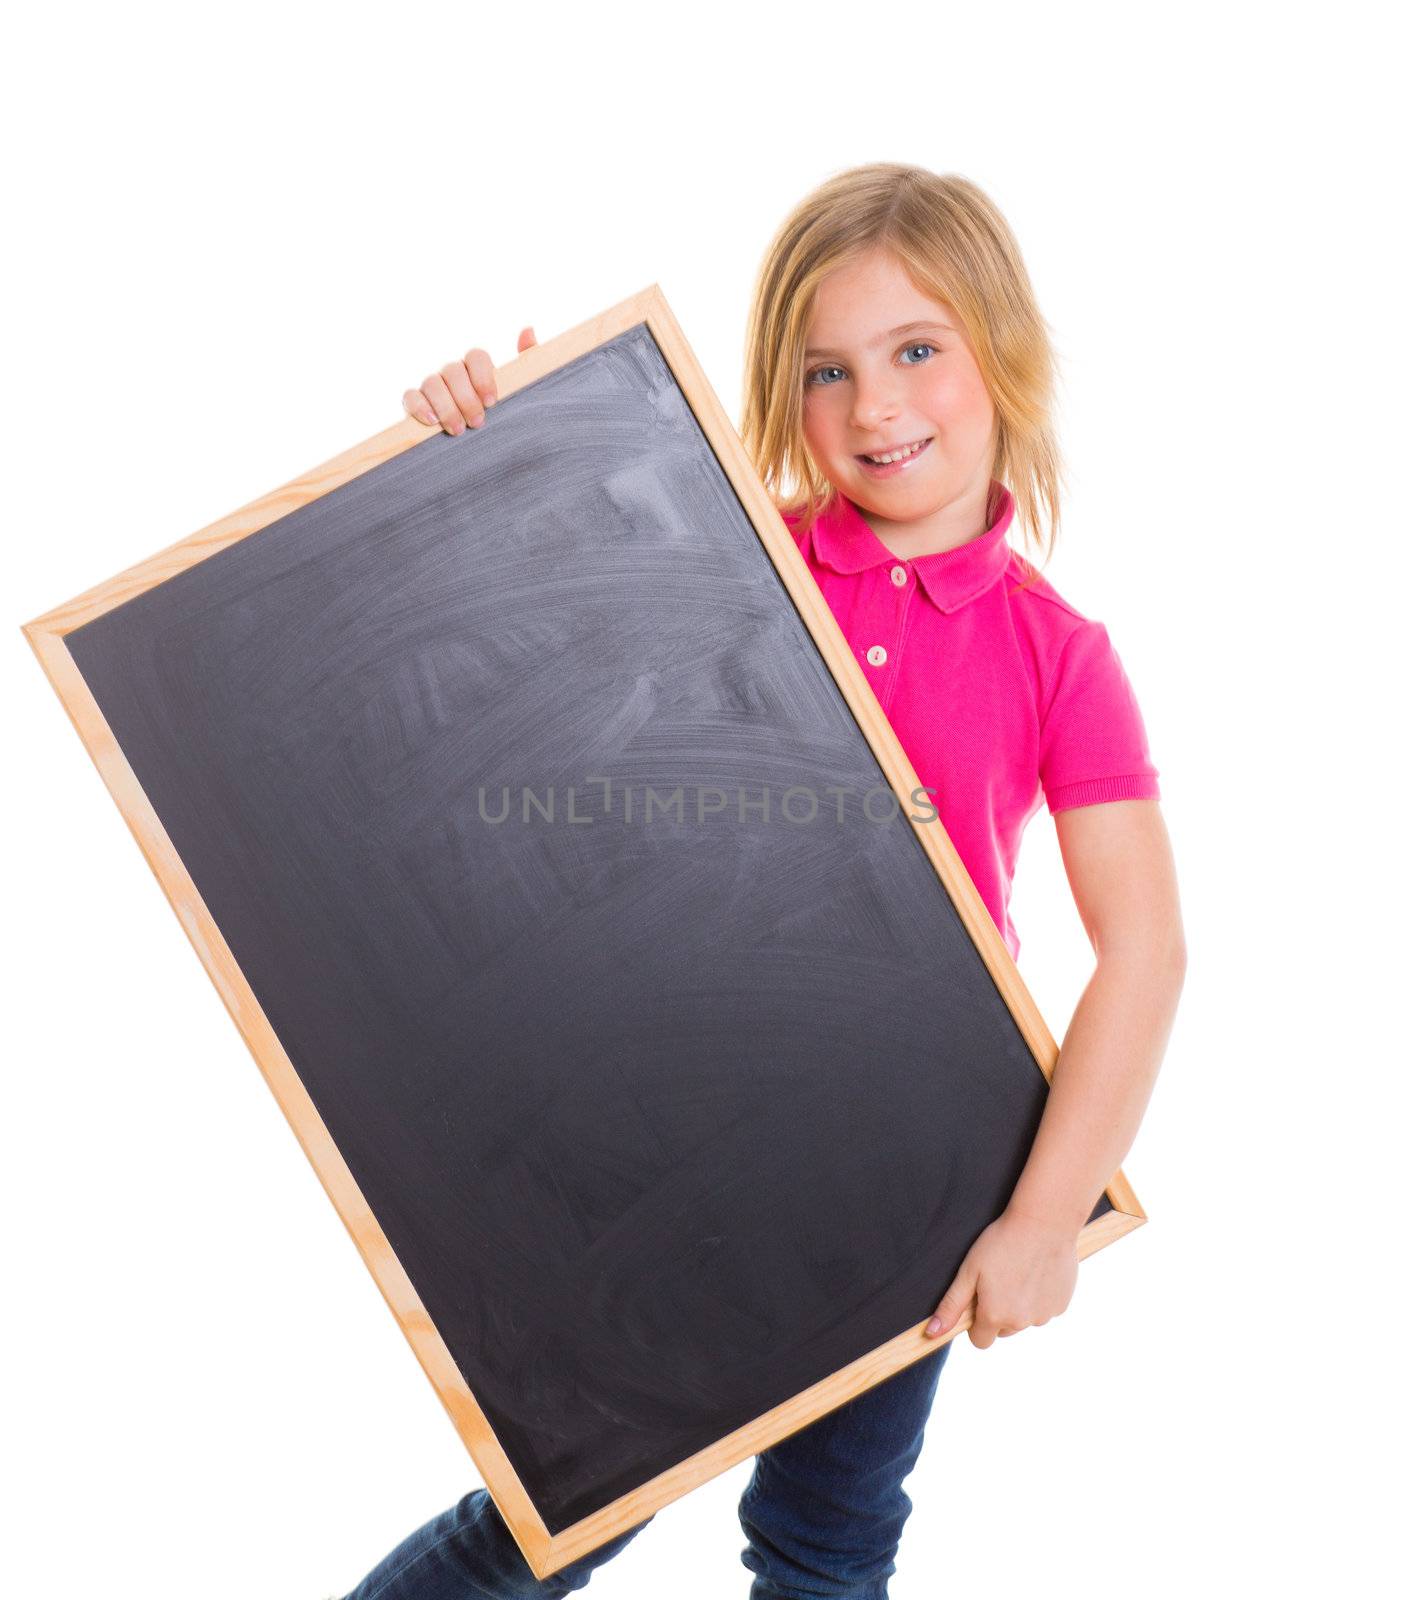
235	237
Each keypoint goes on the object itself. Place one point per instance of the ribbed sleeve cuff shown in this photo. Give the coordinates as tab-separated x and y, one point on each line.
1136	786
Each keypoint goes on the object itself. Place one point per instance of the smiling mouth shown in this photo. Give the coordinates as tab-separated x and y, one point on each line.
900	453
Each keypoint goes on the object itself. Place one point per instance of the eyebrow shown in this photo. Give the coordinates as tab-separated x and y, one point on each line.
895	333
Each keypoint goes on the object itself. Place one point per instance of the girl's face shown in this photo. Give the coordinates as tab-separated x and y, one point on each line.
887	368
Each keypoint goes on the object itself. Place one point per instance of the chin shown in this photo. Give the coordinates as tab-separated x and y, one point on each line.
894	498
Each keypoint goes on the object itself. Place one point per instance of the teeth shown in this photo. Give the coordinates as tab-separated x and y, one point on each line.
896	455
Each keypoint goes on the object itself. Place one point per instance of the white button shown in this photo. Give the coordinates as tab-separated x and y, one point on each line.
898	576
877	655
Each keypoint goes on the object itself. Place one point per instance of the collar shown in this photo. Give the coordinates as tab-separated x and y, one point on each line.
844	540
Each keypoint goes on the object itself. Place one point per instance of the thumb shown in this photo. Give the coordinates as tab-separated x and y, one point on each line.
526	338
955	1301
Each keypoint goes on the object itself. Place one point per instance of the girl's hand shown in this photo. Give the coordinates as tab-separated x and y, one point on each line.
458	395
1021	1270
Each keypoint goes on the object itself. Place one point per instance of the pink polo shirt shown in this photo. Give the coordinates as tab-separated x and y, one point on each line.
1002	697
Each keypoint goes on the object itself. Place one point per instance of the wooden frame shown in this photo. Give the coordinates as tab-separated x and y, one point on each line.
544	1552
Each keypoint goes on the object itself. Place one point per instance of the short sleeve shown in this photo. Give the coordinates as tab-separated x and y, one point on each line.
1092	742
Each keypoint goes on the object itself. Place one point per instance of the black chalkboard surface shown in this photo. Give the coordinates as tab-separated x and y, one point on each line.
492	765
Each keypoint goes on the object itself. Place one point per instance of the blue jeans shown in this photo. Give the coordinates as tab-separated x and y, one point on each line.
823	1514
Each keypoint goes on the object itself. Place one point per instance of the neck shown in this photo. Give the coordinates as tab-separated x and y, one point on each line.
950	525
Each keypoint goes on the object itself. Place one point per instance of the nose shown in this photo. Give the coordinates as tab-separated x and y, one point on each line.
874	402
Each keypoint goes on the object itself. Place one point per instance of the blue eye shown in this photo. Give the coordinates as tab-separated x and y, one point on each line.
815	377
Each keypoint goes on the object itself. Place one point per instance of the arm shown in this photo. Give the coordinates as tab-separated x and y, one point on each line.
1023	1268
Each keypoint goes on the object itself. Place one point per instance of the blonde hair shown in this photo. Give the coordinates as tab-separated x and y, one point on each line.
957	247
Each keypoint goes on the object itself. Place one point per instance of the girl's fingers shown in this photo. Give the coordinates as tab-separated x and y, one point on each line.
463	393
415	404
983	1330
447	412
956	1300
481	370
458	395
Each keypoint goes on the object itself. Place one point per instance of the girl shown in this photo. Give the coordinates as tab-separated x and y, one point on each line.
898	408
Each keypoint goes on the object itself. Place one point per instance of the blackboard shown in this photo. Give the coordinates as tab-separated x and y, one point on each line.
662	1119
